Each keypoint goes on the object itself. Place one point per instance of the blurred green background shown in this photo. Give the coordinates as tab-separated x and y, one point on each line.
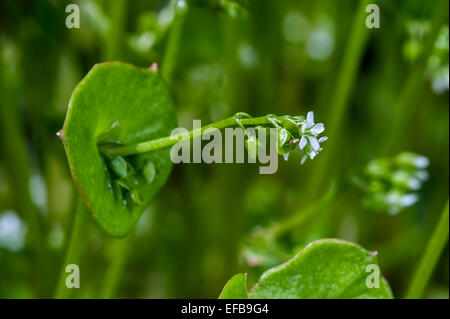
378	91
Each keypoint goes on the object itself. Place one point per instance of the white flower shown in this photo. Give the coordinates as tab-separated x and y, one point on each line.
396	200
422	175
414	184
422	162
409	200
309	142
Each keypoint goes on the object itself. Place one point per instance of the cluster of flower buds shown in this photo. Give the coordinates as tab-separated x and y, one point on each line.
126	174
302	132
292	131
391	184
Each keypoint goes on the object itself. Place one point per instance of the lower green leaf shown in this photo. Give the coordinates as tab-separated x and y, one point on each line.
235	288
325	269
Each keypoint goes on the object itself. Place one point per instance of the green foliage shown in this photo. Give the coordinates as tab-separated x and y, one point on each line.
391	184
379	91
328	268
235	288
116	104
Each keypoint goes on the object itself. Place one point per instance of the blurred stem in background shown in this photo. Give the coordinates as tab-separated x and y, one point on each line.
171	51
430	257
339	103
304	214
118	13
74	248
18	164
404	108
268	47
117	260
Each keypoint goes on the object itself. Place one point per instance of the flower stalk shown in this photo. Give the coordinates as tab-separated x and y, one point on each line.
292	131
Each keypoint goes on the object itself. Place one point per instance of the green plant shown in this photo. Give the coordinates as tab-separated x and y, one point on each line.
326	268
117	134
102	111
117	137
389	185
392	184
183	231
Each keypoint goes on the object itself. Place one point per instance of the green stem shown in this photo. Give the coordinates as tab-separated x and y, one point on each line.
114	37
341	96
407	100
117	261
173	139
173	43
303	215
430	257
14	146
74	249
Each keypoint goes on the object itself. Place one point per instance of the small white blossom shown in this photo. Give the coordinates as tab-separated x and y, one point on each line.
303	142
409	200
303	160
422	162
414	184
309	142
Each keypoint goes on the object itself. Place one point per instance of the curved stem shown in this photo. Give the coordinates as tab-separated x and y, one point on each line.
303	215
173	139
430	257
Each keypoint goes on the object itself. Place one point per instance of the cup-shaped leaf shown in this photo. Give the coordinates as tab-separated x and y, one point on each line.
117	103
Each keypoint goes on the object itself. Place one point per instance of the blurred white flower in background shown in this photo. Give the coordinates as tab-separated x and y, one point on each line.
247	55
12	231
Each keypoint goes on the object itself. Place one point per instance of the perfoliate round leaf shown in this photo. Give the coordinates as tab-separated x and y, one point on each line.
325	269
120	104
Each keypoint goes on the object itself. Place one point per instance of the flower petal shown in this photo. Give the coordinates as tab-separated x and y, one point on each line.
409	200
414	184
286	156
302	161
303	127
314	143
312	154
303	142
422	162
318	128
310	119
323	139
